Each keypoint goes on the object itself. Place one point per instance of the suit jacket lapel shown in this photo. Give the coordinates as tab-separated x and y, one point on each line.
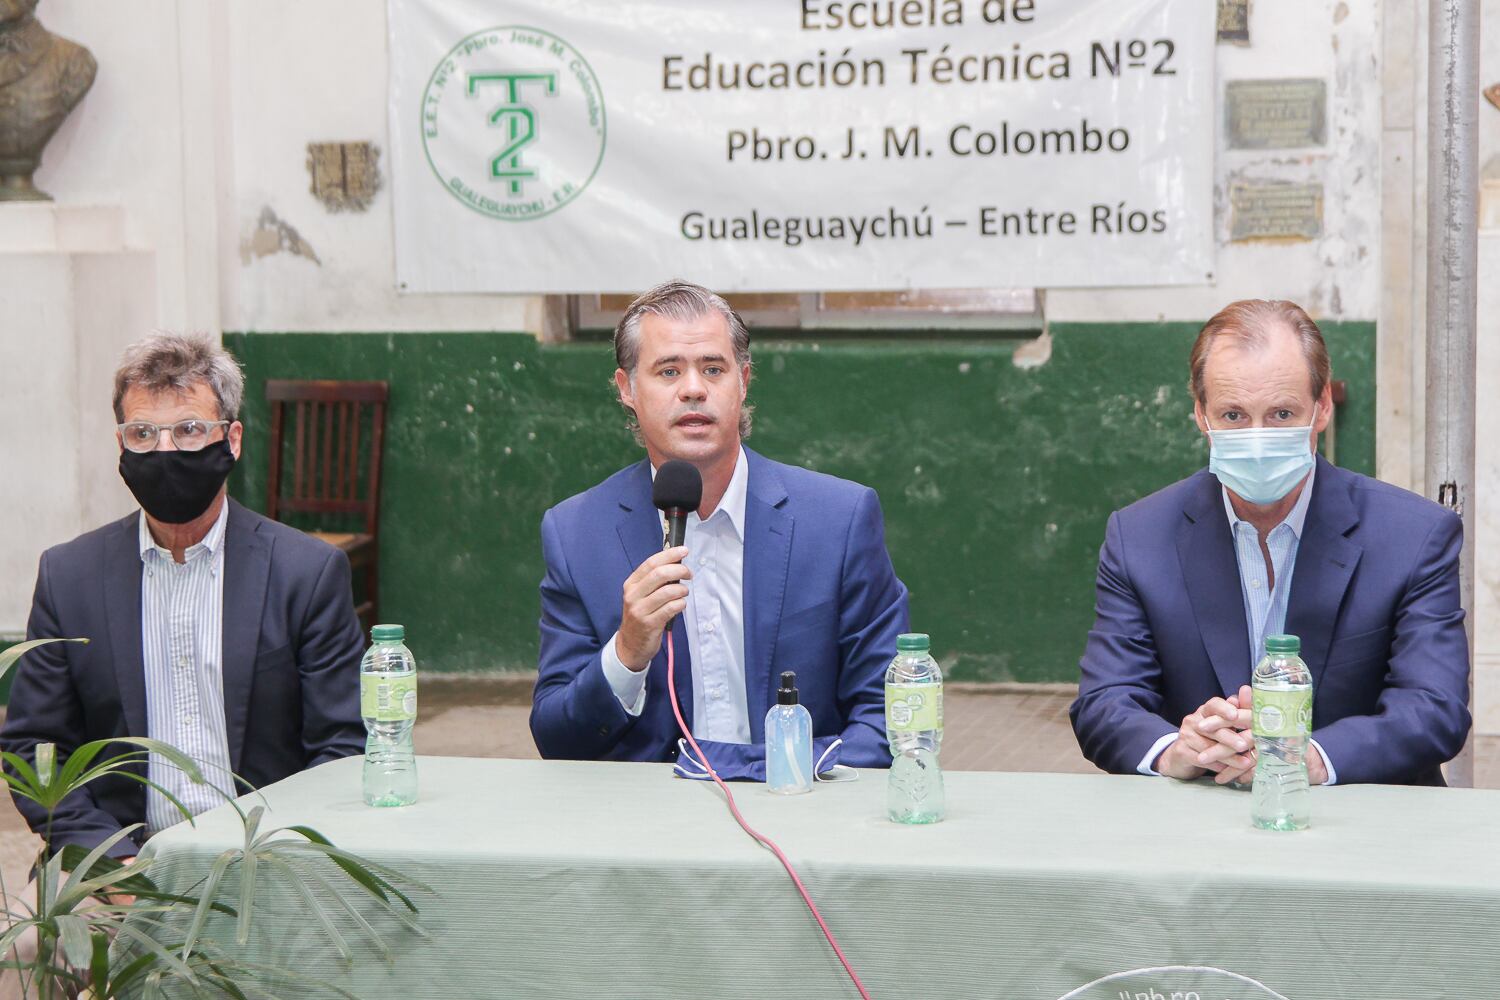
640	530
122	610
768	546
1205	550
1325	564
247	568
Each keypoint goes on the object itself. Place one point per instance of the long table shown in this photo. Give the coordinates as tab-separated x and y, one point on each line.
565	879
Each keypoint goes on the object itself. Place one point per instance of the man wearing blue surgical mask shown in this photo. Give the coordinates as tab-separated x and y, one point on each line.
1271	538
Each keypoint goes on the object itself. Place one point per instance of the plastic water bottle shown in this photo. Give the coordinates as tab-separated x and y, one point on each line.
789	763
388	702
1282	722
914	727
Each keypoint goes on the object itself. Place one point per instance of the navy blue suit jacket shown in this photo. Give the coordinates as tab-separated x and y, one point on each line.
820	596
292	647
1374	599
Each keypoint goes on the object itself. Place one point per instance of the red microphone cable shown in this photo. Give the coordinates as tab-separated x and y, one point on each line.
765	841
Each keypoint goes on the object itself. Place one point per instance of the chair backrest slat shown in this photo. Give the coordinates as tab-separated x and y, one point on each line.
301	452
329	472
326	486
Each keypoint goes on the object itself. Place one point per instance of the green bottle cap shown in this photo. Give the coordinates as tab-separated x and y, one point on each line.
388	633
1286	644
913	642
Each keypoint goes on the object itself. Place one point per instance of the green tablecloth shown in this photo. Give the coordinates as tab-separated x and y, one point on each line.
561	879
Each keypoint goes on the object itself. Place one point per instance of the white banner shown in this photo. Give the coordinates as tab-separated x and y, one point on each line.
801	145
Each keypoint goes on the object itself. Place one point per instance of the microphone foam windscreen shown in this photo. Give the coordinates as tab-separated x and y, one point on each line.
678	484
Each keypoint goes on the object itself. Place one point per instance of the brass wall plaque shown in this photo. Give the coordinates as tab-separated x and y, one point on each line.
1276	114
1275	210
1234	21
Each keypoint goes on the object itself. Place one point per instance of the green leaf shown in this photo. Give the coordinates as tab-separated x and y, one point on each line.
46	762
14	932
99	966
70	892
11	654
104	769
247	899
74	933
252	823
133	970
206	897
316	908
166	751
371	934
78	761
24	772
361	870
126	930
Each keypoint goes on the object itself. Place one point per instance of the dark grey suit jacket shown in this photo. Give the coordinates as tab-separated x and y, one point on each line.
292	647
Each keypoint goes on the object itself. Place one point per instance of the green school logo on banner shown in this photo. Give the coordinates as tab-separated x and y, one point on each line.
513	123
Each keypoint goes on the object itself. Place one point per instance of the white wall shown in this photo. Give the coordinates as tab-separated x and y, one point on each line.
199	121
1336	276
316	72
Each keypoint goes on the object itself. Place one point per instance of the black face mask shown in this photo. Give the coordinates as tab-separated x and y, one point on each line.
177	486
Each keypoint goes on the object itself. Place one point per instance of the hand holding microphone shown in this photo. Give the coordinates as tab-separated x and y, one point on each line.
657	591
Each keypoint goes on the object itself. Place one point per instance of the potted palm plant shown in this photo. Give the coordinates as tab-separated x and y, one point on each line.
99	928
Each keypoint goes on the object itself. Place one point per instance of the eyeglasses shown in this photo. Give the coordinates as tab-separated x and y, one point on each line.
187	435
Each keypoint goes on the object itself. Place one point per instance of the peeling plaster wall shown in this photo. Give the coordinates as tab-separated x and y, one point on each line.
316	72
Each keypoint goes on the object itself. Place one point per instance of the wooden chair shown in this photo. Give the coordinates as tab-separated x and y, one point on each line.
324	424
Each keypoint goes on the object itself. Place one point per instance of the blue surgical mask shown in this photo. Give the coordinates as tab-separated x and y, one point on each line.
1261	464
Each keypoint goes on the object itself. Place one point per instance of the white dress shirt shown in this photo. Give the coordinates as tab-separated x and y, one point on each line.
715	622
1265	601
182	645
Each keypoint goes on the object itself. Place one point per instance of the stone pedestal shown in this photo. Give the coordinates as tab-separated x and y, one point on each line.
74	296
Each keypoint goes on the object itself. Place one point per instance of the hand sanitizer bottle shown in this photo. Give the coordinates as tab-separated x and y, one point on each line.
789	760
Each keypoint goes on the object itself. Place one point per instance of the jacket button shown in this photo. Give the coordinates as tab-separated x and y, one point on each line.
603	730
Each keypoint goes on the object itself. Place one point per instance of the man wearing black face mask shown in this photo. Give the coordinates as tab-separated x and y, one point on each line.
228	635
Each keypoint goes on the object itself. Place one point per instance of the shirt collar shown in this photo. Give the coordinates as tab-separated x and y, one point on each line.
211	541
732	504
1295	519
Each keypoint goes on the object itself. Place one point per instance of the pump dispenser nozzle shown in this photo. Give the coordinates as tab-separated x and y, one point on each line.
788	693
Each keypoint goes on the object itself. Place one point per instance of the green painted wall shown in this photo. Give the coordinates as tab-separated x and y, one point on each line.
996	481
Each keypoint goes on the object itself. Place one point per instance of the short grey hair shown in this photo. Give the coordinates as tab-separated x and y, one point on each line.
175	362
682	301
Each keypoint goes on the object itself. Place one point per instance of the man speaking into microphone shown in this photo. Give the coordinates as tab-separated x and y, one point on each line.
781	568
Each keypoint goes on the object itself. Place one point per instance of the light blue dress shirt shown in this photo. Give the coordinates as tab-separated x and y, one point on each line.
1265	599
715	622
182	645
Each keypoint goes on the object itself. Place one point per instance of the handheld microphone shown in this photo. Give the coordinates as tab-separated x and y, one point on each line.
677	492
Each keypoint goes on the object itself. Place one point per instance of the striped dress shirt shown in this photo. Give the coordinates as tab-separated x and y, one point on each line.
182	642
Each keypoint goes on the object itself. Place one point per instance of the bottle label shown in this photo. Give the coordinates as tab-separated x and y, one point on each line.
912	708
1282	714
388	697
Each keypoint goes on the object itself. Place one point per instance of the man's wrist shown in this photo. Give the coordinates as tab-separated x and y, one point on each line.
1153	756
629	686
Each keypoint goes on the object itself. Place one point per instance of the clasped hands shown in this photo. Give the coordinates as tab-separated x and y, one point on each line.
1217	740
